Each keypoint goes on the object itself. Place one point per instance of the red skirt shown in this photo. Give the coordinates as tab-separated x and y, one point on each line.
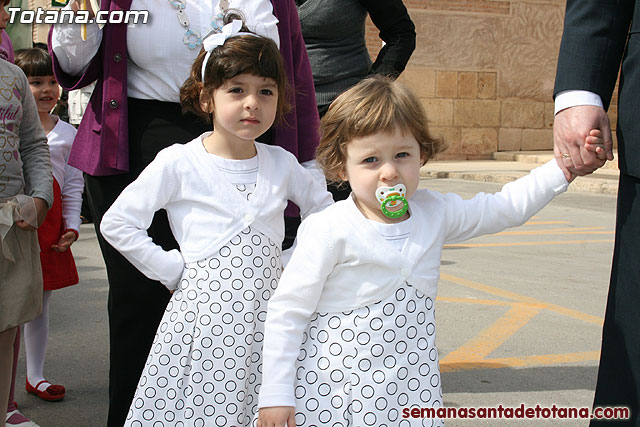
58	268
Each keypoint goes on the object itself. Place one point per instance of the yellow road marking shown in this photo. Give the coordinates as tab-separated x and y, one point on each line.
555	229
473	353
585	230
558	242
495	335
522	299
519	362
467	300
545	222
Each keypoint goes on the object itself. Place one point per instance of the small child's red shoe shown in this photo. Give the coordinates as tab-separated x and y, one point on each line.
51	394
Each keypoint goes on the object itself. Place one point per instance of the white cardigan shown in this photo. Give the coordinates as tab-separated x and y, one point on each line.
70	179
341	263
205	211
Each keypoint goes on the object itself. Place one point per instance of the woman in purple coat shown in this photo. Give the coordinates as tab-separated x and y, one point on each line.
134	113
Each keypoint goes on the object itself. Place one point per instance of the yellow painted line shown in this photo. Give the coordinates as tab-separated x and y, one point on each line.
555	231
483	344
475	301
492	290
534	233
519	362
558	242
546	222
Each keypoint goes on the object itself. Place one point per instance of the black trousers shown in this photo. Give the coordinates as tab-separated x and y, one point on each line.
136	303
619	372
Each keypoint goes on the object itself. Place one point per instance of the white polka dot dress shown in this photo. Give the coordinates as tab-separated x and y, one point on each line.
204	368
362	367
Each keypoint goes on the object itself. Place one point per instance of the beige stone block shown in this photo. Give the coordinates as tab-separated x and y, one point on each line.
468	85
537	139
509	139
476	113
525	114
421	81
446	84
528	44
549	108
479	141
450	137
487	85
457	41
522	114
439	111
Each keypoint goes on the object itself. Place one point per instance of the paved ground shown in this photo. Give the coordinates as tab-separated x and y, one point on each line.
519	313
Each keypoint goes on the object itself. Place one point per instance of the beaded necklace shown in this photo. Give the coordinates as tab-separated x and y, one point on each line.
191	38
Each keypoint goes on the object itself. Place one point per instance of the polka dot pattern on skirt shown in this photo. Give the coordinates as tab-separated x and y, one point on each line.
205	363
362	367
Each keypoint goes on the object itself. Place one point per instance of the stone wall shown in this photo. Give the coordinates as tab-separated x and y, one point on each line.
484	70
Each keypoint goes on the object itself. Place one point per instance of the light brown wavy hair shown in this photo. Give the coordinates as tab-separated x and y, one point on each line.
375	105
248	54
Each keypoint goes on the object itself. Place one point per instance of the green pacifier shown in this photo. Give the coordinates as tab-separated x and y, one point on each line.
391	197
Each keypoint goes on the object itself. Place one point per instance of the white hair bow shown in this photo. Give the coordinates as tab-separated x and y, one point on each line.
214	40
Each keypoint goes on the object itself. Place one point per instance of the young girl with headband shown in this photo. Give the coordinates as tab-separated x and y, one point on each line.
350	331
225	197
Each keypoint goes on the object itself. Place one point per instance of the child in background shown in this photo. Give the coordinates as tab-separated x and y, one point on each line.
350	331
62	223
225	196
25	196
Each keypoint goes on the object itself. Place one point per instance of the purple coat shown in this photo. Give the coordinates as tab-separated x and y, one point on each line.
101	146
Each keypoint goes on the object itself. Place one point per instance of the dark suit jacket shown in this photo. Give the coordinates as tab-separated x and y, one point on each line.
593	46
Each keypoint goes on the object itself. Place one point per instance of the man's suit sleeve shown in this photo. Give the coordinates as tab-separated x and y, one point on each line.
593	41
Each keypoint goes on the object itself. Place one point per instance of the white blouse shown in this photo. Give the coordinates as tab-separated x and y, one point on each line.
158	60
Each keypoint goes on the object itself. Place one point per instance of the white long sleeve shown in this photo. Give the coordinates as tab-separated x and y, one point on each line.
60	139
126	222
72	190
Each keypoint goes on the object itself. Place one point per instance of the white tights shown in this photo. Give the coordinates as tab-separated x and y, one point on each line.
36	335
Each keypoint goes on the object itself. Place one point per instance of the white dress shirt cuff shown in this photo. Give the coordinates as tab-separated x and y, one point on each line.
572	98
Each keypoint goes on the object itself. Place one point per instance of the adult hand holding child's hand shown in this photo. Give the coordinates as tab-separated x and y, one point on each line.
571	130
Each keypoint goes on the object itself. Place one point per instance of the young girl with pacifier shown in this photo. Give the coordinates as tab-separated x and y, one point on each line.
350	331
225	197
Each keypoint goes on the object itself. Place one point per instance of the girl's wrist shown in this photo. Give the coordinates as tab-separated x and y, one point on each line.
66	230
